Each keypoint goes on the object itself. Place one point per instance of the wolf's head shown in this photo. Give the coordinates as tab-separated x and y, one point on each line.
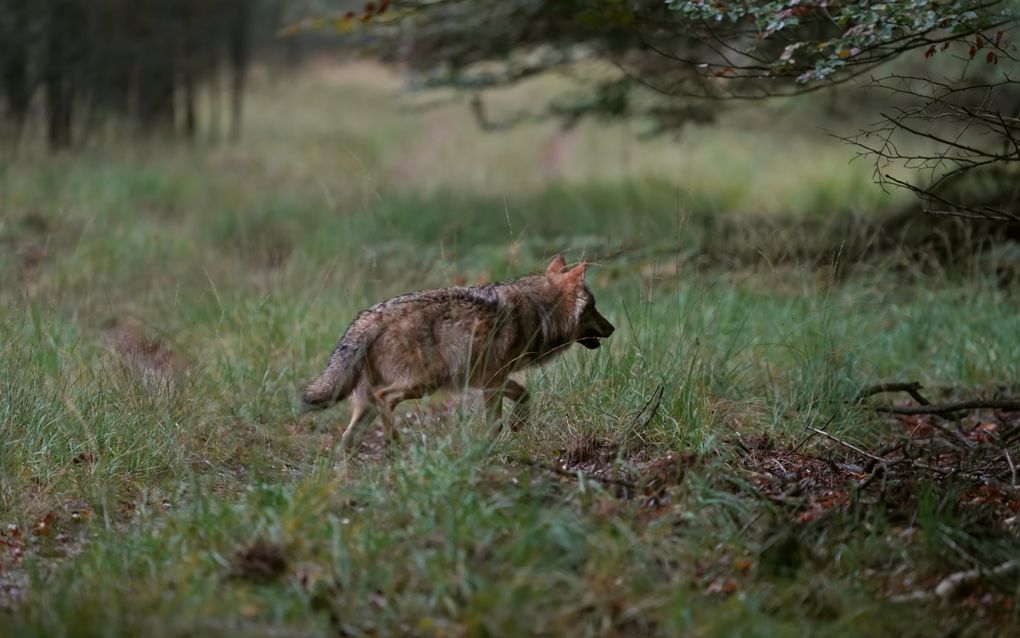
587	325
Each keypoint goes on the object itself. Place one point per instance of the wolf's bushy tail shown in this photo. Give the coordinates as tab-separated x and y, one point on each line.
344	368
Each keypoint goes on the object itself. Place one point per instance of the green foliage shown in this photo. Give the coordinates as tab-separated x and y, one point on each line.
821	38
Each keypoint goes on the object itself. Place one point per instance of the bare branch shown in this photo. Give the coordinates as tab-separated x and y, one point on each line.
1006	405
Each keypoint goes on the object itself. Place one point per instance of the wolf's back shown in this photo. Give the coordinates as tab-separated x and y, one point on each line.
344	369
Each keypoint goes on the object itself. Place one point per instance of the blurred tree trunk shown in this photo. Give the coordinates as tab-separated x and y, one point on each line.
239	54
14	32
145	62
59	75
116	56
189	57
155	108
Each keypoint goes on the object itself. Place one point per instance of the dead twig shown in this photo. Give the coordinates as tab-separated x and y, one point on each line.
913	388
812	435
952	433
882	452
1012	470
879	468
849	446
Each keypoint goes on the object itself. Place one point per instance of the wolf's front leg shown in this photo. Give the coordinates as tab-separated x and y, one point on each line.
522	404
494	410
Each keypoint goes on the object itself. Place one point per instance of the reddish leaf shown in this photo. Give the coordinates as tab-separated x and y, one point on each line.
45	524
721	586
930	52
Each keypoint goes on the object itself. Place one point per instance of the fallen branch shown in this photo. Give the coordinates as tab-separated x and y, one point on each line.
549	467
1006	405
952	433
913	388
949	586
952	583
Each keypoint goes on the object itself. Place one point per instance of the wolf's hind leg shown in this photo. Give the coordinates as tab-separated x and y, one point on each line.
363	413
522	404
389	397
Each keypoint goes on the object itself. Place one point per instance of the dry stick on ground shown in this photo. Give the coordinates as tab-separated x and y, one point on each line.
549	467
984	479
1006	405
850	446
875	468
882	451
1012	470
883	464
951	410
952	433
812	435
950	585
882	470
927	407
913	388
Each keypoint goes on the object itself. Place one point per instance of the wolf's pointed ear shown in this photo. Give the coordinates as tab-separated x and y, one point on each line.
577	272
556	266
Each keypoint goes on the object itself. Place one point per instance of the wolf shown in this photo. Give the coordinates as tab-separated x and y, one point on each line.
475	337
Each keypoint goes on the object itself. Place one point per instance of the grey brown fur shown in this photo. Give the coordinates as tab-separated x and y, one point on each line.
411	345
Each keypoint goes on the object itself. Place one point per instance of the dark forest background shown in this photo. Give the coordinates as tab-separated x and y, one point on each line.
167	67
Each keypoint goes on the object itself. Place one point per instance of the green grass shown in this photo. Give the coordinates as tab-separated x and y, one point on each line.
235	268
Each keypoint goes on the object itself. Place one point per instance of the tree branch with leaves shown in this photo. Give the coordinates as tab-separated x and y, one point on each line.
947	69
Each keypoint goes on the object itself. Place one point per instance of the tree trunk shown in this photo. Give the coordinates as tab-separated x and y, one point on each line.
15	63
239	53
58	73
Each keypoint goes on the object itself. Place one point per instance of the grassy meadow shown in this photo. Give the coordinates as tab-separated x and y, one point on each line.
162	305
